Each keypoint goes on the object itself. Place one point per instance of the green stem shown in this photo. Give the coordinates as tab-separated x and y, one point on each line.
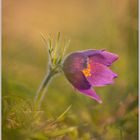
121	134
42	89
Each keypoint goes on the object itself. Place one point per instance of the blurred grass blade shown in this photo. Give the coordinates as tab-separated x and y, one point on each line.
63	114
58	36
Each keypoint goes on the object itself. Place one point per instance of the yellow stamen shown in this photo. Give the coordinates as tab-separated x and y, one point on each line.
87	71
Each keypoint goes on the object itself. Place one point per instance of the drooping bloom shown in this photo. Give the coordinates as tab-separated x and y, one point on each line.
89	68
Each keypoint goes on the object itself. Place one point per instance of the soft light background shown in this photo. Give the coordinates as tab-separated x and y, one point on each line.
90	24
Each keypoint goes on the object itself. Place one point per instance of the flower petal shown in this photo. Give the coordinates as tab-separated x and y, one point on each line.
92	94
78	80
75	62
101	56
100	75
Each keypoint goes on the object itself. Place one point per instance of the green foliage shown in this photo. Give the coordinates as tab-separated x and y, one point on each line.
21	120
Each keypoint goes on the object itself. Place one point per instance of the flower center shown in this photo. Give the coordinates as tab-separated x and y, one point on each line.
87	71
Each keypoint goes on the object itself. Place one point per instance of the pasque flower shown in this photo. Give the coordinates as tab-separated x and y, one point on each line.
88	68
83	69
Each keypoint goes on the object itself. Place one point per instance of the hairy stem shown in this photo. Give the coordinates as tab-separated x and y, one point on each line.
42	89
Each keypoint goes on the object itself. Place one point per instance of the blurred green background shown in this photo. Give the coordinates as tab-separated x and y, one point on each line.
90	24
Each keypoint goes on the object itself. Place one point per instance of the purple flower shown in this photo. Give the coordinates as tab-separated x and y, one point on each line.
89	68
